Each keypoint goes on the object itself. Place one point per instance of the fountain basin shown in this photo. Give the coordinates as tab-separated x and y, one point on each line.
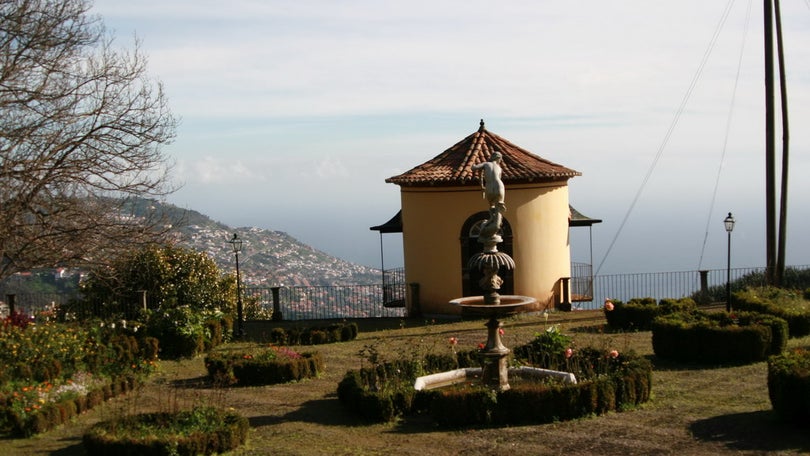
509	305
471	374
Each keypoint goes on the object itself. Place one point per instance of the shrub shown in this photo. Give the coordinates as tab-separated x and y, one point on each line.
185	291
789	385
639	313
718	337
202	430
383	392
335	332
789	305
274	365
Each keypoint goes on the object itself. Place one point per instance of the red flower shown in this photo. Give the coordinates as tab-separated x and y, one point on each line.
453	341
481	346
614	354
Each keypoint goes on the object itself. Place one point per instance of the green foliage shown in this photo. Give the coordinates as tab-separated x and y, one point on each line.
68	369
547	349
789	385
792	306
263	367
639	313
172	276
190	303
202	430
718	338
793	279
611	381
304	335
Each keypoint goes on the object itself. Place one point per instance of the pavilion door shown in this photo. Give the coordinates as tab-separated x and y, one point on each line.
470	246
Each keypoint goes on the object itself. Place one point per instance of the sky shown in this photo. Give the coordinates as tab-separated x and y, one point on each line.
293	114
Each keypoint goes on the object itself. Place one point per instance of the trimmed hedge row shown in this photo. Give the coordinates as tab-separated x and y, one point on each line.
246	370
703	337
628	384
199	431
53	414
789	386
336	332
639	313
767	301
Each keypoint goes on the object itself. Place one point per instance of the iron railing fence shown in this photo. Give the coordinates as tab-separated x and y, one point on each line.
681	284
325	302
373	301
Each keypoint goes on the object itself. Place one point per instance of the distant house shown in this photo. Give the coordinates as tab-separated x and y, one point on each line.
443	208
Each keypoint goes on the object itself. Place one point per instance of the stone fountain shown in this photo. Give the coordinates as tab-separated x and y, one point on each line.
494	371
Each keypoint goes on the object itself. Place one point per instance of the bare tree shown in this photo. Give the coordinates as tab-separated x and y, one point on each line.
81	133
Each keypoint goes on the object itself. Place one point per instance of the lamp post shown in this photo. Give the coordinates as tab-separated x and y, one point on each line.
236	244
729	223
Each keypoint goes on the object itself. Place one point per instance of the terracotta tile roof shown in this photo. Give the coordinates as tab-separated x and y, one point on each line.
454	165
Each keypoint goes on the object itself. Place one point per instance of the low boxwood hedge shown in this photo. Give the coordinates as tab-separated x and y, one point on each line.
263	368
203	430
625	382
639	313
719	337
789	305
53	414
789	385
335	332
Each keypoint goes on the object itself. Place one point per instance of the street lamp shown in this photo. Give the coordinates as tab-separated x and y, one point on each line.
729	223
236	244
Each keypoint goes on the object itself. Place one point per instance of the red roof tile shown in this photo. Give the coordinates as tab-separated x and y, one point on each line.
454	165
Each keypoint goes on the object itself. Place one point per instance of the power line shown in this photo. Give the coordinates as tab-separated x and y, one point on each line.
725	140
671	128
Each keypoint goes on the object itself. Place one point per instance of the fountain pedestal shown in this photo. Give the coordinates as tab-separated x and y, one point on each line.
494	356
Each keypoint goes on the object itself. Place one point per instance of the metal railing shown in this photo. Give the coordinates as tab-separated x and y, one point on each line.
326	302
374	301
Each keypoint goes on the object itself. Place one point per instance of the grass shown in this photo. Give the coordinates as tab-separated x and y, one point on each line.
694	410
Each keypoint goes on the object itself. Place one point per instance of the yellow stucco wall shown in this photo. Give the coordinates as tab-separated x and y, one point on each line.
432	219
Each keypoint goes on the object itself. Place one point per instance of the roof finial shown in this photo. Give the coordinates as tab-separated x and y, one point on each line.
481	125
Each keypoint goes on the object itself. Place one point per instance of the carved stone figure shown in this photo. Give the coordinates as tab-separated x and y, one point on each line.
491	182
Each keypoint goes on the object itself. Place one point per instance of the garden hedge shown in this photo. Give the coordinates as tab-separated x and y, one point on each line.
639	313
719	337
198	431
244	369
385	392
336	332
53	414
789	385
774	301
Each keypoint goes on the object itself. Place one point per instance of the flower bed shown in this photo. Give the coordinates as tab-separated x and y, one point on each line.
789	385
262	366
720	337
607	381
203	430
67	370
